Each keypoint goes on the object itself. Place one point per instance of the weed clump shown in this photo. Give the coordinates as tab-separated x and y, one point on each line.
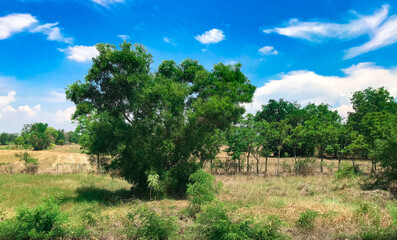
347	171
213	224
42	222
307	219
31	164
201	190
148	224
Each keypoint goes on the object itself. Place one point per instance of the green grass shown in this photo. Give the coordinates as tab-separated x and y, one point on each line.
101	203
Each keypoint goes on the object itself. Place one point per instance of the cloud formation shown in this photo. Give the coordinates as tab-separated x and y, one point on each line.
17	22
210	37
308	87
381	29
80	53
106	3
268	50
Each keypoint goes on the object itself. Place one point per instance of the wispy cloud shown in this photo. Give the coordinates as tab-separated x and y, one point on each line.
52	32
106	3
124	37
211	36
268	50
168	40
381	29
17	22
80	53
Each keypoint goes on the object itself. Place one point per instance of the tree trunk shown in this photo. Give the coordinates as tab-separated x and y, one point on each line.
97	162
211	165
266	165
239	165
339	161
322	162
248	162
294	154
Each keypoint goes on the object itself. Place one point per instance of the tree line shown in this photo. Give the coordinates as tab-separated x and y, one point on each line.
283	128
139	122
38	136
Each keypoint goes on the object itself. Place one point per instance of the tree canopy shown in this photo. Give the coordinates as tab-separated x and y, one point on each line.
158	119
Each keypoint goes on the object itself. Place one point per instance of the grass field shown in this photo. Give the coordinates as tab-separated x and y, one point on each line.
101	203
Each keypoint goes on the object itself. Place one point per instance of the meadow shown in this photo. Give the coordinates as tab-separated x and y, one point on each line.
340	208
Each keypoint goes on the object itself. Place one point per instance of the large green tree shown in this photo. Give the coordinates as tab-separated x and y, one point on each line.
158	119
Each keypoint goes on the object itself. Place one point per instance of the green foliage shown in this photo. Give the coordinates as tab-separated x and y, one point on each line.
43	222
148	224
307	219
35	135
214	224
31	164
305	166
201	190
347	171
7	138
154	183
155	120
389	233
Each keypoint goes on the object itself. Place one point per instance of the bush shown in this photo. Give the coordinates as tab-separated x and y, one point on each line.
305	167
306	219
31	164
147	224
213	223
347	171
389	233
202	189
43	222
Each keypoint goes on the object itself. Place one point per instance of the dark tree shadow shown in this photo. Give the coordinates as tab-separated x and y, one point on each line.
101	196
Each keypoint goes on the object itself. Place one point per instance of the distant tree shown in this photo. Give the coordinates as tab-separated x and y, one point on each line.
266	137
52	134
282	134
368	101
35	135
275	111
321	127
211	148
3	138
296	139
61	138
385	153
157	119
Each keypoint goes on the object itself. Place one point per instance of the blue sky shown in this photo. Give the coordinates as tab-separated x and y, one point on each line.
308	51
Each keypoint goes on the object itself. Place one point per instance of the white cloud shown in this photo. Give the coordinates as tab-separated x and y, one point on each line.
268	50
5	100
15	23
124	37
56	97
106	3
168	40
383	36
63	116
315	31
81	53
211	36
52	32
381	29
308	87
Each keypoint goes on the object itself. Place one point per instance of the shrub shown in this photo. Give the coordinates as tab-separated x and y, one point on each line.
154	184
31	164
147	224
347	171
305	167
202	189
213	224
306	219
43	222
389	233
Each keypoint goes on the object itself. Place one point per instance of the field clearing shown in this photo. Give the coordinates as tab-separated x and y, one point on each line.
108	200
70	159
